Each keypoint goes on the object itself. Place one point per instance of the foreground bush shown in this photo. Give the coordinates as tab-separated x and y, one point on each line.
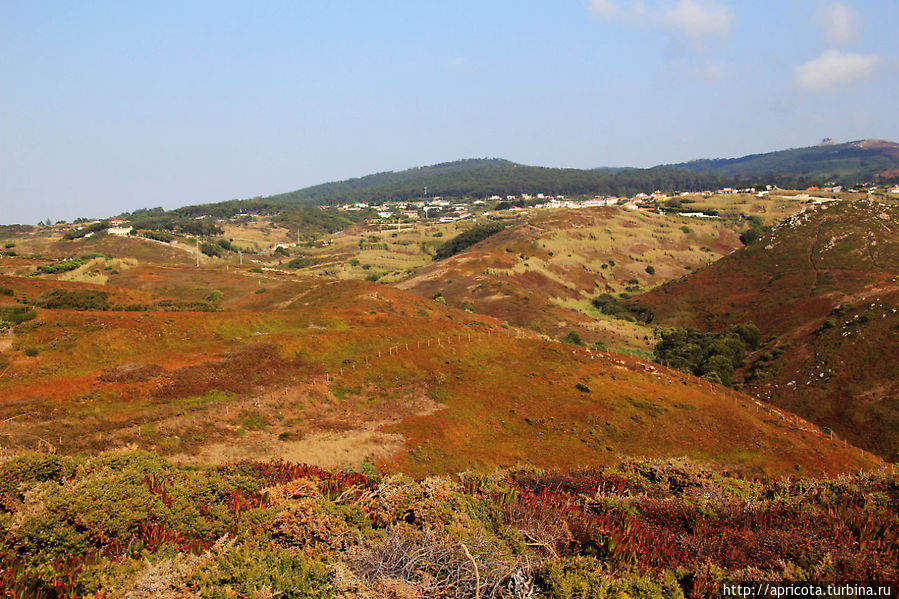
129	523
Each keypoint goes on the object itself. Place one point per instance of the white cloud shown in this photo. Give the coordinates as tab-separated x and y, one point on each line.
603	8
698	18
833	69
693	20
838	22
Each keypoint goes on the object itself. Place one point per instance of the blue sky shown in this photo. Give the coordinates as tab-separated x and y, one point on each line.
112	106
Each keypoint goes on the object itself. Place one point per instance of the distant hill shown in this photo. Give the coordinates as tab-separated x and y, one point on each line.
487	177
822	287
847	163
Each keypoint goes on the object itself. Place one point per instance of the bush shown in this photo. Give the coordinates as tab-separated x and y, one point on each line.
31	352
16	314
574	338
245	571
215	296
301	262
77	299
466	239
651	270
213	250
159	236
58	267
611	306
372	276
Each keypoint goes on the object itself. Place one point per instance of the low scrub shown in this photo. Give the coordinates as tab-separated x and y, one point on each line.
612	306
464	240
110	525
75	299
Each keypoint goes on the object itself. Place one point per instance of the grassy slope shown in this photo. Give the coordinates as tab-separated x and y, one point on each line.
542	274
789	284
316	355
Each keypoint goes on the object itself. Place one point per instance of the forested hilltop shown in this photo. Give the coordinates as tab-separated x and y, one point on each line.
847	164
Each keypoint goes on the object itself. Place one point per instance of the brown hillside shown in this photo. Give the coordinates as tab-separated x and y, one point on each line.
337	372
824	283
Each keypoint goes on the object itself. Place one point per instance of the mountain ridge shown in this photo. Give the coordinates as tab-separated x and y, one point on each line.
847	163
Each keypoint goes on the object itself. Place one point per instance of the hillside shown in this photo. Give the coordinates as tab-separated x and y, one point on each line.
541	274
847	163
484	178
340	372
822	287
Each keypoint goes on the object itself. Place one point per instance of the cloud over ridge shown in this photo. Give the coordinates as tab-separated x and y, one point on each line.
833	69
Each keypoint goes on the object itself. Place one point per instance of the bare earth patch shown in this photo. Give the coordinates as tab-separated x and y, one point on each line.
331	449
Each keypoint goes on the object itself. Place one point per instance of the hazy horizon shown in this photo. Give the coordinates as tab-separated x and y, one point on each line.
112	107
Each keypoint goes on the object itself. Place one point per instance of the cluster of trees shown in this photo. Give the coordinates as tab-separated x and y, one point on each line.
85	231
755	231
468	238
713	356
612	306
483	178
800	167
308	221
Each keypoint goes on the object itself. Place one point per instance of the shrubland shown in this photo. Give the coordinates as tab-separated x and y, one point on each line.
129	523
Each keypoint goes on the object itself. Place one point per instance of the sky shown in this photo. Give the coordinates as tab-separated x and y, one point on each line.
110	106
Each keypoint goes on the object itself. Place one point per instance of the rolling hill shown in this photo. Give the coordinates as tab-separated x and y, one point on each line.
823	288
848	163
340	372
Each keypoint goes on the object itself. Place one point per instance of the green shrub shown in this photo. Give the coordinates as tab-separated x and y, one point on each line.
574	338
713	356
17	314
76	299
614	307
651	270
587	578
467	238
31	352
58	267
245	571
213	250
215	296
